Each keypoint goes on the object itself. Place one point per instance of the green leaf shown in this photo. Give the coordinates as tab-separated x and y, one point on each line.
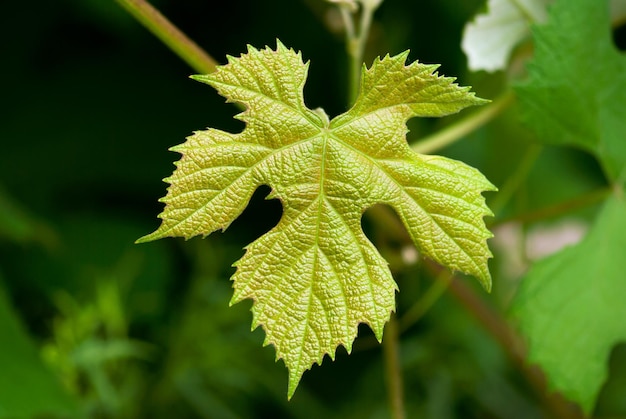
27	388
571	307
489	39
576	89
315	276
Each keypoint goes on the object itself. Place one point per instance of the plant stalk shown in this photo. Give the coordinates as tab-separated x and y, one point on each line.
170	35
460	129
356	40
512	345
359	50
393	371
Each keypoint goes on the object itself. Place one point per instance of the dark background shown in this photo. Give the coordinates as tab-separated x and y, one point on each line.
91	101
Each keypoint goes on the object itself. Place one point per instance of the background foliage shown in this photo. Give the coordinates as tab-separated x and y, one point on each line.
92	325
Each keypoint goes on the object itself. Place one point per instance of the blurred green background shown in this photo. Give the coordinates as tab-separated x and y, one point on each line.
92	325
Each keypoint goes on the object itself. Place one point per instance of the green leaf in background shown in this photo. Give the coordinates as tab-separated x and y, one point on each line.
315	276
489	39
27	388
571	307
576	90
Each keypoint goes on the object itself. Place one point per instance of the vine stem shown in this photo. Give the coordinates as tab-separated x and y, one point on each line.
170	35
393	371
470	123
359	50
512	345
356	39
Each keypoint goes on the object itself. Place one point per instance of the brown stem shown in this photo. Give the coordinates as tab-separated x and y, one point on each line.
512	345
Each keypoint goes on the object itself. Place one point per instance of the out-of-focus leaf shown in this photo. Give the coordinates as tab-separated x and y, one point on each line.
577	84
571	307
27	387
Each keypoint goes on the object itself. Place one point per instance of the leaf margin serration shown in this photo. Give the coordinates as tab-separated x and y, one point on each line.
406	112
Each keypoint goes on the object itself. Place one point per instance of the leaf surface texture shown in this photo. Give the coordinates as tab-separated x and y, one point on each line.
315	276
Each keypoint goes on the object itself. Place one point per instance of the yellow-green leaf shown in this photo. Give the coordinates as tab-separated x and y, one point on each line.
315	276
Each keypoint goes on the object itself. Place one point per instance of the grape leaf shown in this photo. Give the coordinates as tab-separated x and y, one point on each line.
571	307
489	39
576	89
315	276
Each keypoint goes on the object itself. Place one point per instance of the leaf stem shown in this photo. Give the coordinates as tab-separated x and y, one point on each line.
359	50
356	39
170	35
348	23
458	130
393	372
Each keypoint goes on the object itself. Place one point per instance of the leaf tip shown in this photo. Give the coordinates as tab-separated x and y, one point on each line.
294	380
280	45
486	282
236	298
202	78
479	101
403	56
148	238
251	50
